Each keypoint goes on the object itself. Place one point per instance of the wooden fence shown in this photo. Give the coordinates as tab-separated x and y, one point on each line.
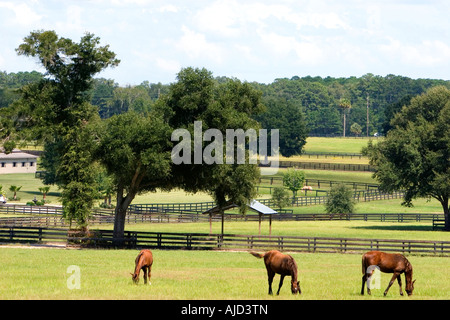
325	166
362	195
57	221
195	207
203	241
319	183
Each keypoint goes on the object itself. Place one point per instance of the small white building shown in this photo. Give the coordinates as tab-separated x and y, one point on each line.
17	162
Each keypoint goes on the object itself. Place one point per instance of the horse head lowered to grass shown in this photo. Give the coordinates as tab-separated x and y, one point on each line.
388	263
143	261
283	264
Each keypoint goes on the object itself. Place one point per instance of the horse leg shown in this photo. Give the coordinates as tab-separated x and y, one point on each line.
145	269
399	280
149	271
364	279
391	282
270	275
281	283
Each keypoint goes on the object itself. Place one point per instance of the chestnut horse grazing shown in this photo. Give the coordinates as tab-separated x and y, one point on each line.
144	261
388	263
283	264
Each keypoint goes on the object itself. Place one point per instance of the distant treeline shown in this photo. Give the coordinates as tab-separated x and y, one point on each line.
317	99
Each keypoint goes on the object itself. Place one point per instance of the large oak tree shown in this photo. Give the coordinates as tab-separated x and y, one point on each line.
415	155
136	149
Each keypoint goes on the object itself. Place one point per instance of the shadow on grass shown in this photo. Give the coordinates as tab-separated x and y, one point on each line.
38	193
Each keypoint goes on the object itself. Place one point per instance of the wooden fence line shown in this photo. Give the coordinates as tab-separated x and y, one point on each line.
322	183
194	207
325	166
203	241
57	221
362	195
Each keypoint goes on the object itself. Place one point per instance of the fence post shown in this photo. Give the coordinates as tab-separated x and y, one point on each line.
189	241
343	245
159	240
219	241
280	243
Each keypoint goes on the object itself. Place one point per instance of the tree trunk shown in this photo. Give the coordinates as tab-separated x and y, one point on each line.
120	214
119	225
446	214
344	124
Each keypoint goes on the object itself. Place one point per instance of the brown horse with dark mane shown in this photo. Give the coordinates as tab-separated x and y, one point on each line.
143	261
388	263
283	264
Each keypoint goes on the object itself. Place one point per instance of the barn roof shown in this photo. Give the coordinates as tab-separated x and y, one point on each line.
16	154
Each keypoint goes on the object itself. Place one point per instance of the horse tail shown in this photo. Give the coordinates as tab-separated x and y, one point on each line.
257	255
364	267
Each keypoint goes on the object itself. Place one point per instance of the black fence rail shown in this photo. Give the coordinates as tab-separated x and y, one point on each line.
194	207
362	195
325	166
203	241
326	155
19	234
439	222
322	183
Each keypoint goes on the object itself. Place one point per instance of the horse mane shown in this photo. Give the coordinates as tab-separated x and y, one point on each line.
408	266
291	265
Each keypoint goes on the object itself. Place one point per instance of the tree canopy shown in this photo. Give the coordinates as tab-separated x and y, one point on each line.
56	109
415	155
136	149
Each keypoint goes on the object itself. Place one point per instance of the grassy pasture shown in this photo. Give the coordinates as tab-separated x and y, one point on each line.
104	274
336	145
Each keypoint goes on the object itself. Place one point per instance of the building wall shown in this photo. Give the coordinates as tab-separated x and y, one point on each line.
22	165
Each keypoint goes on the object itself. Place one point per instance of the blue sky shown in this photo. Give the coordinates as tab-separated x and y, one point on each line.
250	40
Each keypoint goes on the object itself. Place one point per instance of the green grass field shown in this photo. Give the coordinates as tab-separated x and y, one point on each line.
336	145
104	274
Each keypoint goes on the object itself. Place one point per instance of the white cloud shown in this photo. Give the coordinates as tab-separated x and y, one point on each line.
73	20
220	17
124	3
426	53
255	39
196	46
235	18
23	14
305	51
172	66
169	8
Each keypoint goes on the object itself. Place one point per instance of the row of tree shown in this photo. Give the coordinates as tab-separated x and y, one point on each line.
89	126
314	105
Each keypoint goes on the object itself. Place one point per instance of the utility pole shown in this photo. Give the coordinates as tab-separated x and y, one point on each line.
367	115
